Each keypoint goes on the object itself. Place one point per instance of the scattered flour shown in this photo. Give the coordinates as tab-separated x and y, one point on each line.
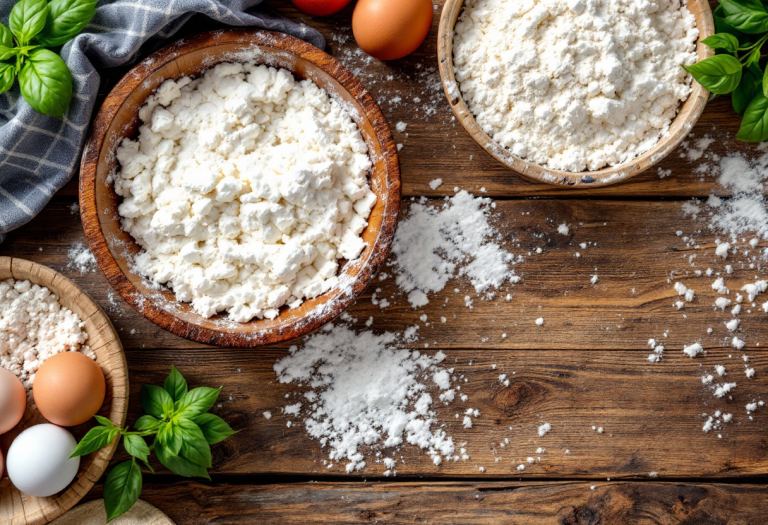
80	258
33	327
574	85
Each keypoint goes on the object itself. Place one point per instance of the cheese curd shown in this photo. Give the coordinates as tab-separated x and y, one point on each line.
244	188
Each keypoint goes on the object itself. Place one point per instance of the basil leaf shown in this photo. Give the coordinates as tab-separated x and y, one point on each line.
7	52
176	385
754	125
214	428
194	446
721	26
122	488
179	464
748	16
722	41
156	401
753	58
46	82
96	439
197	401
147	422
6	37
719	74
136	447
28	19
66	18
748	88
169	436
104	421
7	76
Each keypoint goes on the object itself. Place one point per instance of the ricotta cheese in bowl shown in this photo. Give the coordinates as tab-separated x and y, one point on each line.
245	189
574	85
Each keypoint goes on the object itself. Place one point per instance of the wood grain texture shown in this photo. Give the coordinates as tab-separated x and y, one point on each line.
27	510
634	245
689	113
564	503
651	415
118	118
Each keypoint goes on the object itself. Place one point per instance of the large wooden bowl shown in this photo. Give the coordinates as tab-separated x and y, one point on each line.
687	117
20	509
118	118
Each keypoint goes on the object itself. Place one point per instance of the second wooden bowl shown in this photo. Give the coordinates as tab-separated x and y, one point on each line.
15	507
118	118
689	113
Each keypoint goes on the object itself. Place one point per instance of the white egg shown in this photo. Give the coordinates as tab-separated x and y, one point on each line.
38	461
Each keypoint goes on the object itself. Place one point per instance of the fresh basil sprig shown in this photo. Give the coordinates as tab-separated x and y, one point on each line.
34	25
739	68
182	433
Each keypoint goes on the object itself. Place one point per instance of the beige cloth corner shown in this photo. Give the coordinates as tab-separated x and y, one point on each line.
93	513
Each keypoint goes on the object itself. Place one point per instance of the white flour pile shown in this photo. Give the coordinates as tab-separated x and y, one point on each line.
245	188
33	327
435	244
366	394
574	84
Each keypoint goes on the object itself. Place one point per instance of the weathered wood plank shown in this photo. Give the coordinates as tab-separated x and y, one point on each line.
480	503
651	415
634	246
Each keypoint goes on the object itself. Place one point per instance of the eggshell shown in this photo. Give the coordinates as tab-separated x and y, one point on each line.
13	401
38	461
69	389
391	29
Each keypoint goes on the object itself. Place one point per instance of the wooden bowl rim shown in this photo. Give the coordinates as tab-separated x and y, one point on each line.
222	336
24	270
535	172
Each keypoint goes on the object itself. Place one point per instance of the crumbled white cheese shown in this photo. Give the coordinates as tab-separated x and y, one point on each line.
244	189
693	350
543	429
563	229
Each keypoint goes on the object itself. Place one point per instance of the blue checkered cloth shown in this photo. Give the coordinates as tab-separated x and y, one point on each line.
39	154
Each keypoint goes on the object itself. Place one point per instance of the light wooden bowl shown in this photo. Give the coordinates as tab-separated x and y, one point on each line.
118	118
687	117
27	510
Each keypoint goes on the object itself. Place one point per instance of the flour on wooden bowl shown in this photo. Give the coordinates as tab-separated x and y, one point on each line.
574	85
35	326
245	188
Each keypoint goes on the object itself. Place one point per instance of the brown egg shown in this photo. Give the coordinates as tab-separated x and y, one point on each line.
391	29
69	389
13	401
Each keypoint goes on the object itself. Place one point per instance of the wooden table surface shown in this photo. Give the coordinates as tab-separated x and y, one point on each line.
586	366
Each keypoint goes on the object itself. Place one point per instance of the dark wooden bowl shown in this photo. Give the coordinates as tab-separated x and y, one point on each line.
689	113
118	118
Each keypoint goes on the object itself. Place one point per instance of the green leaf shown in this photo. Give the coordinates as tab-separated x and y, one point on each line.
170	437
176	385
6	37
96	439
722	41
122	488
136	447
753	58
7	52
156	401
748	16
7	76
147	422
197	401
180	464
719	74
104	421
754	125
46	82
748	88
28	19
66	18
765	83
194	446
214	428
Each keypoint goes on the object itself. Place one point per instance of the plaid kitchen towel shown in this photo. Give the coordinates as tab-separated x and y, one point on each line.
38	154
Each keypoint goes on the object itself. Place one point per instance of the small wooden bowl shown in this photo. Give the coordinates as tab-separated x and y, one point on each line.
687	117
118	118
102	338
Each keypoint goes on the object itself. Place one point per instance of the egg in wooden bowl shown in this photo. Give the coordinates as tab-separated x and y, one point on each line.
240	188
